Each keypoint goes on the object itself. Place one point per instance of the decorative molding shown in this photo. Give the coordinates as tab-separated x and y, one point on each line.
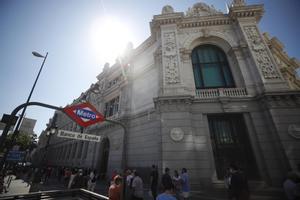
171	103
185	55
263	60
206	22
189	36
294	131
289	99
202	9
170	58
256	11
176	134
238	3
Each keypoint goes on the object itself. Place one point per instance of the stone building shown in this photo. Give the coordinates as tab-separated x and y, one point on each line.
206	89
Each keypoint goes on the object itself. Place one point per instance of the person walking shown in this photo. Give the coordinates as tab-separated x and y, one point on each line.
154	181
92	181
177	184
115	189
79	180
74	173
185	184
238	186
137	187
166	179
129	179
168	193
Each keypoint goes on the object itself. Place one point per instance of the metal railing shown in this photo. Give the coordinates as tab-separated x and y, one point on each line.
77	194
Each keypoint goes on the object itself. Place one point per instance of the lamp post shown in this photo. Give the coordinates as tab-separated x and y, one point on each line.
49	133
4	134
30	94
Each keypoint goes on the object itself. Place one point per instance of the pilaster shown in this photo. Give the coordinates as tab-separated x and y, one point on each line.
246	18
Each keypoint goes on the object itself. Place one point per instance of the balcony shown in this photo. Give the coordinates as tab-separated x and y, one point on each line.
221	92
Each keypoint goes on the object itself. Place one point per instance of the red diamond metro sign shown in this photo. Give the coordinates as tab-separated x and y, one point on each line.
84	114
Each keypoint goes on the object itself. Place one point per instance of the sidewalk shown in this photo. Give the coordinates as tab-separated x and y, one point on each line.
17	186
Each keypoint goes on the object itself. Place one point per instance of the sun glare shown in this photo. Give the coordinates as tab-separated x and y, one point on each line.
109	38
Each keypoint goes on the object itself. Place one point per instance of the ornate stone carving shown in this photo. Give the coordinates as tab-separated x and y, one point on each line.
238	3
167	9
264	62
202	9
177	134
170	58
294	131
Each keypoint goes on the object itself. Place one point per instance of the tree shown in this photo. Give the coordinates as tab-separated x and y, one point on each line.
24	140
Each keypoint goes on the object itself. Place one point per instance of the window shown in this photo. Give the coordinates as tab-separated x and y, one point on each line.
111	107
211	69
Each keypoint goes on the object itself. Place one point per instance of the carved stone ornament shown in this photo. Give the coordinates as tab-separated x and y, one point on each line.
294	131
177	134
170	58
202	9
167	9
238	3
264	62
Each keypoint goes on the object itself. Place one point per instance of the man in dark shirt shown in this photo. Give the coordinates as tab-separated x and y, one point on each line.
166	179
154	181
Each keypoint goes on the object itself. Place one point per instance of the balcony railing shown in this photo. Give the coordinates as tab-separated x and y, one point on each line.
221	92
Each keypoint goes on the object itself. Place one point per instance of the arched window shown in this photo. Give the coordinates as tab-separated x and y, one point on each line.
211	69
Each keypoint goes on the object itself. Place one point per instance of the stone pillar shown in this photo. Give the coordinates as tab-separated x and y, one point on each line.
268	71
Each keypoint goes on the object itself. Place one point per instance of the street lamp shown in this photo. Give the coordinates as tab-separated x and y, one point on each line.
30	94
4	134
51	131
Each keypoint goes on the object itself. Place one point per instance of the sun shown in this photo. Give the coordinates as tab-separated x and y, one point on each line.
109	38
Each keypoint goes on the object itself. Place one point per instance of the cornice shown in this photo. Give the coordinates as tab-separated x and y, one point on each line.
280	99
256	11
212	20
173	100
145	45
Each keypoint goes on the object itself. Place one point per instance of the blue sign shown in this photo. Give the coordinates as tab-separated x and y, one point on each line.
15	155
87	114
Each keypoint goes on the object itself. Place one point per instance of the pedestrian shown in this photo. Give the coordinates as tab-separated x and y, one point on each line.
73	174
67	175
168	193
2	185
154	181
29	176
185	184
115	190
92	180
166	179
129	179
177	181
48	172
137	187
238	186
79	180
289	186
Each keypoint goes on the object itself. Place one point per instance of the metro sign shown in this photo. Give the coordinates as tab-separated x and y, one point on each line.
84	114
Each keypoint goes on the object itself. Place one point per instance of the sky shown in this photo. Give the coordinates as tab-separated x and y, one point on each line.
71	32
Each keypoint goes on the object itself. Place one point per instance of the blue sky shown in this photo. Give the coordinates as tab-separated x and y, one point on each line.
63	28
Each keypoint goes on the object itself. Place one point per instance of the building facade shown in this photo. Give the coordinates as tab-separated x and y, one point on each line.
205	90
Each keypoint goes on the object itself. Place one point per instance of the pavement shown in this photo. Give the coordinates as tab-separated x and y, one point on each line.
18	186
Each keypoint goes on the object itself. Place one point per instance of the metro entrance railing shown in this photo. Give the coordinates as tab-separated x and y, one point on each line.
73	194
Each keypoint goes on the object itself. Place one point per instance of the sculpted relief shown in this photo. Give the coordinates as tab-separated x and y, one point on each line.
170	58
264	62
